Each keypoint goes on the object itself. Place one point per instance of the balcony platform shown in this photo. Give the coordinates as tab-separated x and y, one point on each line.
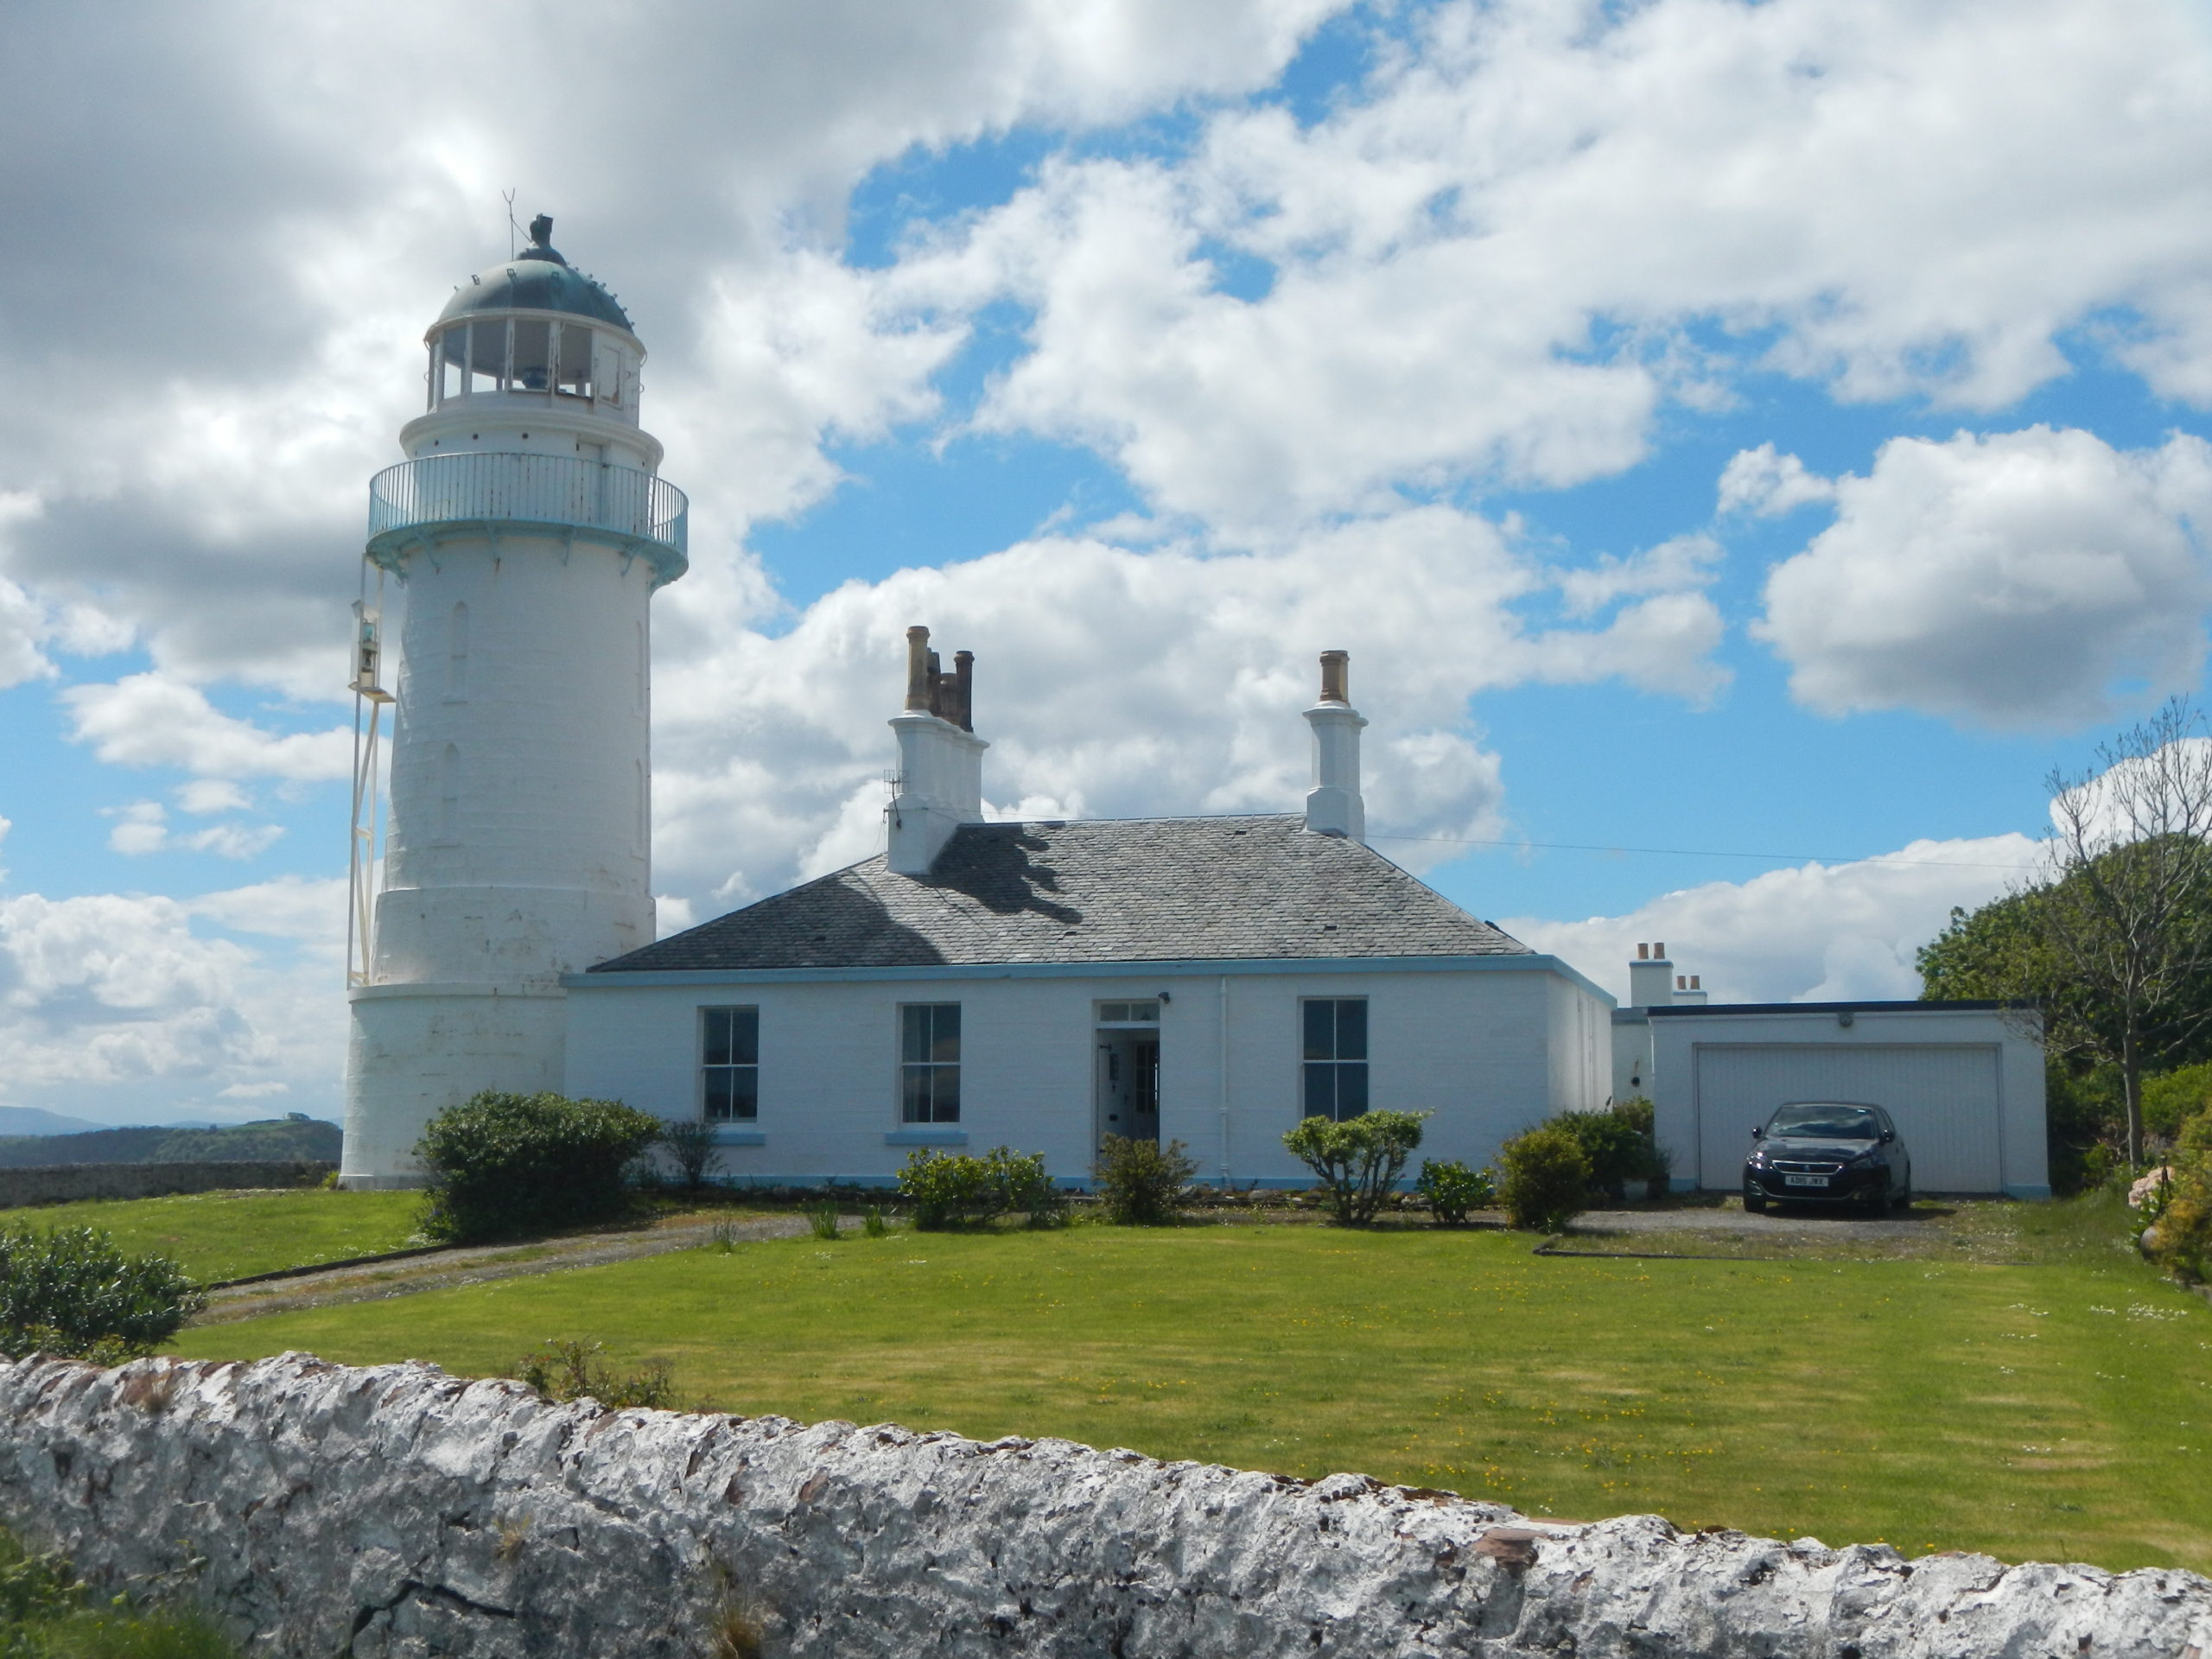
422	502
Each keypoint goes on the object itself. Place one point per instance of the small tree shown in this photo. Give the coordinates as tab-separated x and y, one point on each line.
691	1149
1547	1173
1359	1159
2124	906
1139	1181
502	1164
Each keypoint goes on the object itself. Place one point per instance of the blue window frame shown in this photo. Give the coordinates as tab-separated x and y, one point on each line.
929	1063
1334	1055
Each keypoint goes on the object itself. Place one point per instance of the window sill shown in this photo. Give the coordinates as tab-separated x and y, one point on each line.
927	1134
733	1135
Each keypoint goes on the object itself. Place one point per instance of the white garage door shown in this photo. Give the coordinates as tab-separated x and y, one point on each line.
1943	1098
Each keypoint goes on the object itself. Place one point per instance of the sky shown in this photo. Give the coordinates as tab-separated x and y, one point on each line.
1746	447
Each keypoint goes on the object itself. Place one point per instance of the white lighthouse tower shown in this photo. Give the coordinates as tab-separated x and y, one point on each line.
528	529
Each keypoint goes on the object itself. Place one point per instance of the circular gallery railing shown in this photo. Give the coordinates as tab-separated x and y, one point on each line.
638	510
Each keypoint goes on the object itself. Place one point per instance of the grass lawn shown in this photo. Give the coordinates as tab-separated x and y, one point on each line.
229	1235
2058	1408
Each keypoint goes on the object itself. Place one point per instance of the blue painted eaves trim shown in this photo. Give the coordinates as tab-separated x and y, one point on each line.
635	979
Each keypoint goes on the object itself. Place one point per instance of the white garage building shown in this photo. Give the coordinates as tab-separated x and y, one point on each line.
1964	1081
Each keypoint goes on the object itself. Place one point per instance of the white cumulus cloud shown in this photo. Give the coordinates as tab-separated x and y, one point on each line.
1813	933
2017	580
151	720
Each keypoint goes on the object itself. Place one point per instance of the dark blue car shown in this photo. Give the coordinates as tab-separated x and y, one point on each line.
1829	1152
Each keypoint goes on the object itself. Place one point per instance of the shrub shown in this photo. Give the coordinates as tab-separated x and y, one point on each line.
1023	1187
872	1223
503	1163
956	1189
691	1149
2170	1100
562	1371
1139	1181
823	1219
1547	1171
1617	1150
44	1615
70	1291
2181	1240
1359	1158
1452	1190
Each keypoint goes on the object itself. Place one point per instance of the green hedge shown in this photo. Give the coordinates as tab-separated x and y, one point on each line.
504	1165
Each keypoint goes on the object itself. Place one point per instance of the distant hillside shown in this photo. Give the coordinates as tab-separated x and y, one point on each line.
278	1139
31	1120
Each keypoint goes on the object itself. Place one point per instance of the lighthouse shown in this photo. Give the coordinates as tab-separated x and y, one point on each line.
523	535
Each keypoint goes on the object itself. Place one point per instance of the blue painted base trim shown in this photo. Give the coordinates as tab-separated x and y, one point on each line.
926	1137
1681	1183
2024	1190
728	1136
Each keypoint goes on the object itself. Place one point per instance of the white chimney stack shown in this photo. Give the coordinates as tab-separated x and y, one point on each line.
940	757
1651	978
1333	806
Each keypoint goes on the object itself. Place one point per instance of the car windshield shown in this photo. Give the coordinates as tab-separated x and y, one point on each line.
1826	1121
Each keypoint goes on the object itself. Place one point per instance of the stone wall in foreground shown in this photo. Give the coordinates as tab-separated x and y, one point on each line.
398	1510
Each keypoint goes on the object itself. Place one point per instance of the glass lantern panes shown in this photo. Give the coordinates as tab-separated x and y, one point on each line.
1334	1057
730	1065
575	378
929	1063
488	356
532	370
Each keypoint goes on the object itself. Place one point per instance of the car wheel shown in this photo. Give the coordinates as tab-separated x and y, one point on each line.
1877	1198
1903	1199
1754	1200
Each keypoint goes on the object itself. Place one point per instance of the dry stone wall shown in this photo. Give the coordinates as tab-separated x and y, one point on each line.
399	1511
67	1183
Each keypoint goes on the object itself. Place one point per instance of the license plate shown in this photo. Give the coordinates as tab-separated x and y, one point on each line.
1804	1180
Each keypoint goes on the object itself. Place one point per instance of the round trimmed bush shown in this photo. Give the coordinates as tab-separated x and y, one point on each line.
502	1164
1547	1173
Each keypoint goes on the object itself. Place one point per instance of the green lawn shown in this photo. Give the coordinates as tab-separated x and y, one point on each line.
229	1235
2057	1410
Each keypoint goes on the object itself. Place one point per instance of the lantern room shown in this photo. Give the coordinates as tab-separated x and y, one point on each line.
535	328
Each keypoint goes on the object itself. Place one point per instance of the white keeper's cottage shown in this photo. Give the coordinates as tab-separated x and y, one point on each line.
1038	985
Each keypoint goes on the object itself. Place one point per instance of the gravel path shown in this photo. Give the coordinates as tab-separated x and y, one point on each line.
1733	1223
443	1270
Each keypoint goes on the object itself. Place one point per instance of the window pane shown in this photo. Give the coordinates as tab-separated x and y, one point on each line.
533	366
575	360
714	1049
1144	1010
914	1032
488	356
1320	1029
1321	1090
1351	1089
1112	1011
453	363
1351	1029
944	1093
914	1094
744	1036
732	1091
944	1045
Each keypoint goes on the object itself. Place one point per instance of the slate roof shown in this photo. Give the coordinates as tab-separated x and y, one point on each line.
1105	891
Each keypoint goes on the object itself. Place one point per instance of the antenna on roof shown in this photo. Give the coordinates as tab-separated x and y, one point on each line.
513	229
